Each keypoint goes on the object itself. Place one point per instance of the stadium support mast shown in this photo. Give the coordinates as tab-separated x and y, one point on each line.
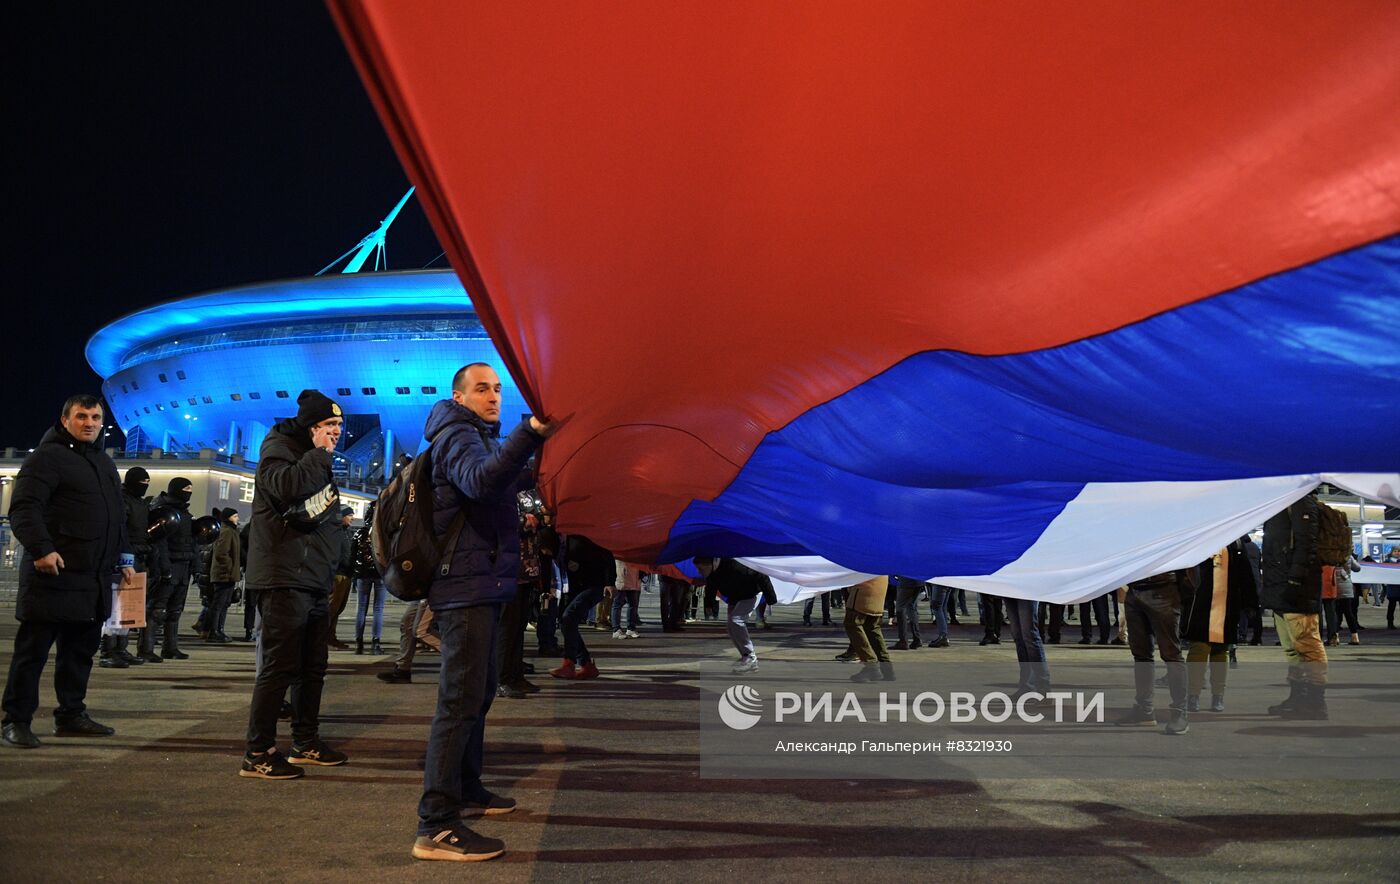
373	244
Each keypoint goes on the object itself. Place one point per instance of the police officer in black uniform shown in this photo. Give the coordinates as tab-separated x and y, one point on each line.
174	553
138	519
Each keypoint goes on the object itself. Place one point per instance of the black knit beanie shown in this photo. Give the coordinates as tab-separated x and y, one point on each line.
312	408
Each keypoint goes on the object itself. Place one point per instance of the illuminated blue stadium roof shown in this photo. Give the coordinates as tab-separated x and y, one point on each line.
320	299
215	371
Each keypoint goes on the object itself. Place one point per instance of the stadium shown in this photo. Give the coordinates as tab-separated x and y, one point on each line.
214	371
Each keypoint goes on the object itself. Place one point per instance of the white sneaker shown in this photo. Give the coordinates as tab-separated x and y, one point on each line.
631	634
619	634
748	664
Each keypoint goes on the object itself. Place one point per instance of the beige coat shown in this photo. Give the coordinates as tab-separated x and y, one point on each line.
869	597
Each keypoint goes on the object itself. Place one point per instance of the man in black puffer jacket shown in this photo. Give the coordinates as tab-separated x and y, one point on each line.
293	550
67	512
1292	589
175	553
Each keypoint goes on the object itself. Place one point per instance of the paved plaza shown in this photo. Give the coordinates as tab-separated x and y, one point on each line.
608	778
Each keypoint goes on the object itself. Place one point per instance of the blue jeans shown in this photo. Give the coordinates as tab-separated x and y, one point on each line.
621	598
581	603
364	588
466	686
1030	650
938	598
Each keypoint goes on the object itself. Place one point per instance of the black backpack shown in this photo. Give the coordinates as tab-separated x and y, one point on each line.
406	552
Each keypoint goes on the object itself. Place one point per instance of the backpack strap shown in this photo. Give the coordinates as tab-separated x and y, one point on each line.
454	530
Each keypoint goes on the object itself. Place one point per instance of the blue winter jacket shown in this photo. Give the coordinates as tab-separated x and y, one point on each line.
474	472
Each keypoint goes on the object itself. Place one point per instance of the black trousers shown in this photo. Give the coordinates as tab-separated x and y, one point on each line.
1057	621
295	631
510	649
77	642
1251	625
164	605
250	609
711	604
219	598
673	603
1155	614
1346	612
1099	607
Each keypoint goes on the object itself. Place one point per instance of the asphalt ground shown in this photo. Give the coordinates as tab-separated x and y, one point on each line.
607	775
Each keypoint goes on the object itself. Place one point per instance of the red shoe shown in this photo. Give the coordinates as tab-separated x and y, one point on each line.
565	670
587	670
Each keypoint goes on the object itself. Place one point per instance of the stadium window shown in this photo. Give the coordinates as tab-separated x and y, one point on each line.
163	378
224	489
246	491
135	386
180	374
254	395
402	391
368	391
281	394
123	388
208	400
236	397
174	404
342	391
430	391
147	408
193	401
160	407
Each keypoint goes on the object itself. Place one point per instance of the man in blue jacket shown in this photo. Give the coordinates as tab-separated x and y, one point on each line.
475	479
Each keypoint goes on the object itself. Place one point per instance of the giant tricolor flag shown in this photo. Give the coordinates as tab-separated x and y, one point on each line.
1032	297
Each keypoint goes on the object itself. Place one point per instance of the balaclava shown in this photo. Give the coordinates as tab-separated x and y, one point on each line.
136	482
180	489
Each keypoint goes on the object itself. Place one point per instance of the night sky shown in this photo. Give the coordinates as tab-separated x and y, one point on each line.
159	150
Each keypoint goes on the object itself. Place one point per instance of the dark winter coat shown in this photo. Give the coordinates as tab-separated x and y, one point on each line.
735	582
68	499
364	567
226	560
138	519
477	475
293	551
1251	550
345	561
1213	615
1292	570
587	565
1183	580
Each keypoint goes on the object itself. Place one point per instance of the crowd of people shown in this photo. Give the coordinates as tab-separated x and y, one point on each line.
504	570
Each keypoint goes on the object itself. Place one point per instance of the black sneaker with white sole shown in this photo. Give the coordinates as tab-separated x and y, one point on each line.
269	765
458	844
489	804
316	753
